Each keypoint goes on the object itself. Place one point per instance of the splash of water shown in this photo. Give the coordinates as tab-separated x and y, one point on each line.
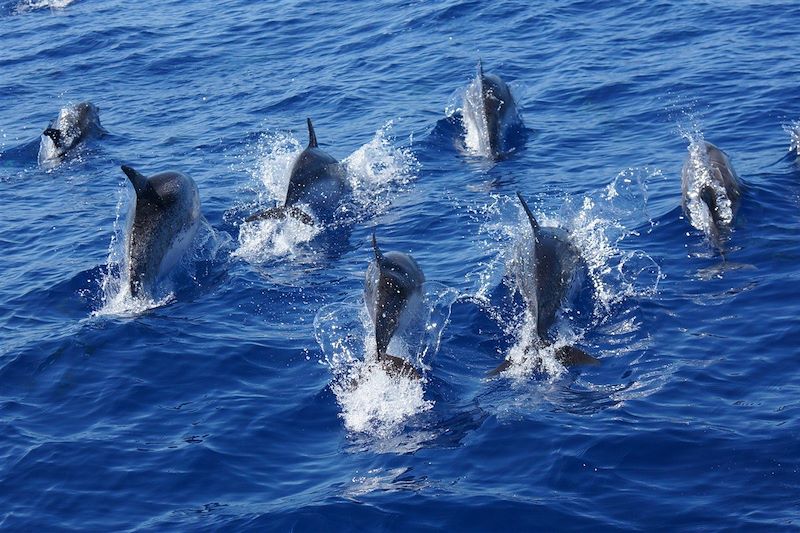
373	172
793	130
24	6
372	401
597	227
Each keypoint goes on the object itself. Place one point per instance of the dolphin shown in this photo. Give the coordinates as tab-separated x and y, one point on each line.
71	127
489	104
711	191
166	217
316	179
393	294
544	267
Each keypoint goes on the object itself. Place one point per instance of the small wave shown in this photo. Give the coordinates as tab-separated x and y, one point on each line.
372	401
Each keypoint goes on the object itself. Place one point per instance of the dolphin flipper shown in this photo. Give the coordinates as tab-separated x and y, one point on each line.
572	356
55	136
281	212
397	366
312	136
566	355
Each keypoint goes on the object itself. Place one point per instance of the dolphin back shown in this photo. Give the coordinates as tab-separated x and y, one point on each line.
316	178
392	287
165	220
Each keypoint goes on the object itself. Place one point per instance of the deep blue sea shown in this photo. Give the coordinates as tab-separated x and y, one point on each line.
227	400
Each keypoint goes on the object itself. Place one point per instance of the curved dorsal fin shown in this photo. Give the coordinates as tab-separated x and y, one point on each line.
312	137
378	254
531	218
142	185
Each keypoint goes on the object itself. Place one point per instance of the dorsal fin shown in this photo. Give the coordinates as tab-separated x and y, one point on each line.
55	135
312	137
480	68
138	180
378	254
531	218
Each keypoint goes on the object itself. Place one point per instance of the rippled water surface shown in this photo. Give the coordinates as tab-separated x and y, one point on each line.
241	396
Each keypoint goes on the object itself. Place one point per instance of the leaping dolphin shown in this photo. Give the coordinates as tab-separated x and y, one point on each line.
393	294
71	127
316	179
711	190
544	266
491	107
165	221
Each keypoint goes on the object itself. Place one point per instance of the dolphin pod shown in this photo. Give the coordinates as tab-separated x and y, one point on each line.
166	216
71	127
316	180
393	295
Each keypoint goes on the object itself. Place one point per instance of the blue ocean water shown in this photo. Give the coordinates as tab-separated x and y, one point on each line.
226	403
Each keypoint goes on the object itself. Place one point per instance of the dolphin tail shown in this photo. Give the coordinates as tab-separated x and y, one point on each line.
531	218
571	356
55	136
281	212
397	366
312	137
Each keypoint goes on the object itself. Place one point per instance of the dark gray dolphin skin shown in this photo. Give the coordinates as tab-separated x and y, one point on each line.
392	293
499	109
719	191
316	179
165	220
545	266
72	126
